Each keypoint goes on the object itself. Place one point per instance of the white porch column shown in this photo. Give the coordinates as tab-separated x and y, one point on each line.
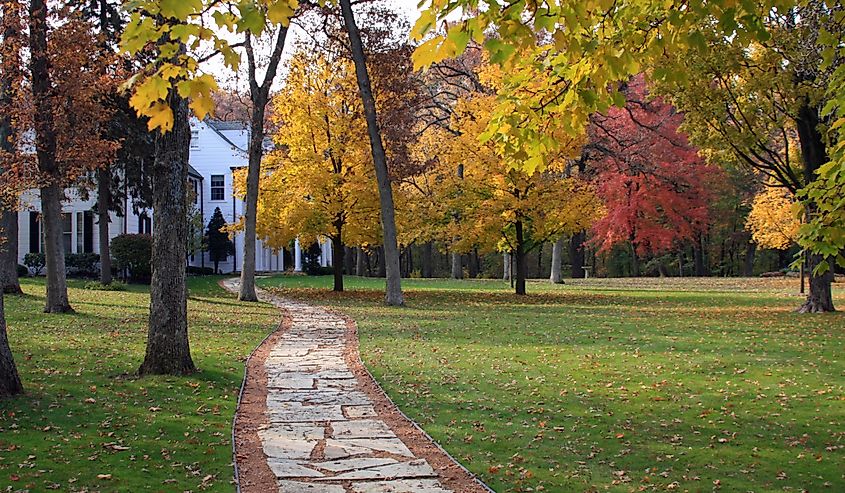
297	257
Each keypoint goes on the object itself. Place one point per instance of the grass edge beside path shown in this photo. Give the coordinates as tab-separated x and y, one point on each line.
713	385
86	423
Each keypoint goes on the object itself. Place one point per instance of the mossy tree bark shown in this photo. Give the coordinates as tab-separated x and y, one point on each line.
168	349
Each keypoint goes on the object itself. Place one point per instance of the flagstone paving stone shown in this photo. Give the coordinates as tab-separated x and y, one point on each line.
324	434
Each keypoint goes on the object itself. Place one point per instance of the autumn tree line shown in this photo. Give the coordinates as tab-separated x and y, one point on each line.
632	138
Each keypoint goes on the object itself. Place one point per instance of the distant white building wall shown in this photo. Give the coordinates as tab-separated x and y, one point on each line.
217	149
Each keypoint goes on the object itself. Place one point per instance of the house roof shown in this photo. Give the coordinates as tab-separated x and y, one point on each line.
226	125
220	126
193	172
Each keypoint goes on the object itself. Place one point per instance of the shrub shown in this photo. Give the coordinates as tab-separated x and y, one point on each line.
35	262
98	286
133	253
82	264
311	260
199	271
22	271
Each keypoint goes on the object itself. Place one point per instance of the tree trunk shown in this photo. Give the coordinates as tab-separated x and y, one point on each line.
393	293
748	265
348	261
45	149
9	73
521	264
814	154
472	264
681	263
557	259
576	254
427	260
337	258
10	381
540	261
382	265
803	273
168	349
507	263
820	298
259	96
635	261
54	251
360	262
9	282
256	150
103	218
457	267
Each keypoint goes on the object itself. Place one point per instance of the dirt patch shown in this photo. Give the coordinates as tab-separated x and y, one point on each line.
452	475
254	473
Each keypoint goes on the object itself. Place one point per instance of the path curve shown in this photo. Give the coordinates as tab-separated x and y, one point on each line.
328	428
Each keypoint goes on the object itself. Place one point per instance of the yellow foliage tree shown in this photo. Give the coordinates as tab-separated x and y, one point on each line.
321	184
772	220
501	207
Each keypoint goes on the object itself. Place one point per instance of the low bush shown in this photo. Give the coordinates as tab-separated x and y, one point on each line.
22	271
98	286
199	271
35	262
82	264
133	253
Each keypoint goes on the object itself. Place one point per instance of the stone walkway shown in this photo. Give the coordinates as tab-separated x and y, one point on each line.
324	434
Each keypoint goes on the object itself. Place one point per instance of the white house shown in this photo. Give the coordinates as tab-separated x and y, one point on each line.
217	149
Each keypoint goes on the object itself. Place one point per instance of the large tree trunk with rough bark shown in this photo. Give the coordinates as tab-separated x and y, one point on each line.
10	381
8	211
556	276
576	254
393	291
9	282
337	257
103	218
521	264
45	150
814	154
54	251
168	350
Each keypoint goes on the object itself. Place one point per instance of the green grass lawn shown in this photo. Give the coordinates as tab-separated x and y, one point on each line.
613	385
87	424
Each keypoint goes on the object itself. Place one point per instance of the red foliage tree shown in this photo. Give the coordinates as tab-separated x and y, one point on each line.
654	184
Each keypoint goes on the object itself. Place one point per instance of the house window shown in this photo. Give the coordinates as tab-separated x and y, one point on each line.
34	232
145	225
218	185
67	231
195	139
80	232
85	232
